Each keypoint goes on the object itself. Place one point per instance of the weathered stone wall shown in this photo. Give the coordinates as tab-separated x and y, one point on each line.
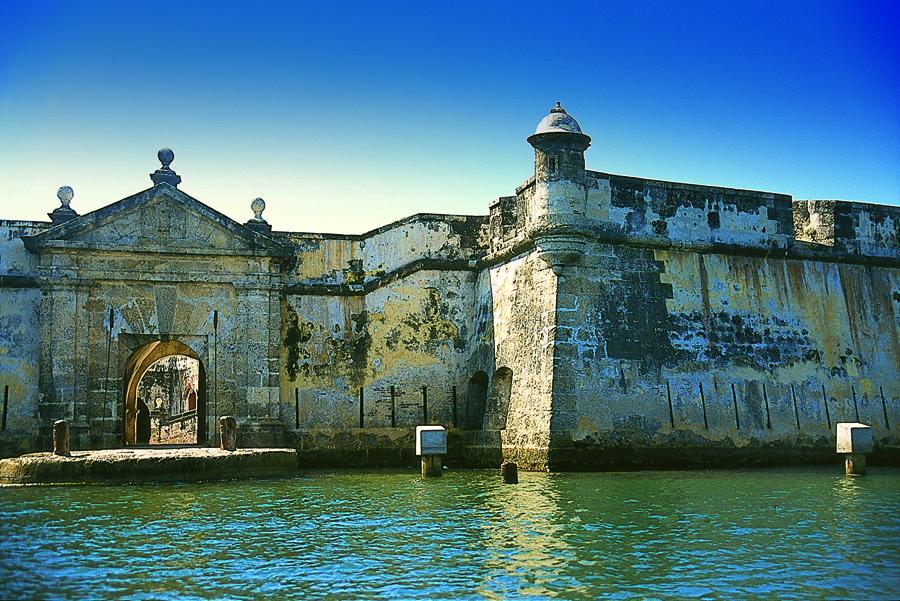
678	337
179	429
385	347
15	260
665	354
19	338
387	321
362	263
628	209
686	214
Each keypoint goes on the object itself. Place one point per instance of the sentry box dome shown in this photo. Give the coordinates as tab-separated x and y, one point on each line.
431	440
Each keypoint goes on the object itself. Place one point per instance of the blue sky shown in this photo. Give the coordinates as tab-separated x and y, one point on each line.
347	116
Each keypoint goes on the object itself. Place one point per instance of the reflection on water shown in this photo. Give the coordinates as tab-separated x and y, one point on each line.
777	533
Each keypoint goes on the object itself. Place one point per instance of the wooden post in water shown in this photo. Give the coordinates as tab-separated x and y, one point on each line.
509	471
432	465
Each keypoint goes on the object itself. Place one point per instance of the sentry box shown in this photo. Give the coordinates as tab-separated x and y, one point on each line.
854	442
431	446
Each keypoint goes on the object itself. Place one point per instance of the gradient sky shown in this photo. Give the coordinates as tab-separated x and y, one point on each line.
347	116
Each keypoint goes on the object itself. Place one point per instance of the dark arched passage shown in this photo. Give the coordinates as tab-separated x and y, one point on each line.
476	400
498	406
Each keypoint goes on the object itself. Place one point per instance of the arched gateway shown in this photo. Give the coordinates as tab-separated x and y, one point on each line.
137	411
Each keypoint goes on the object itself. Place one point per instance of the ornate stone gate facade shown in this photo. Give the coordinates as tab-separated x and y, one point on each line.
155	267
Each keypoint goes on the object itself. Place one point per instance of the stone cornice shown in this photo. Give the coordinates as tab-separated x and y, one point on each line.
795	250
326	289
156	250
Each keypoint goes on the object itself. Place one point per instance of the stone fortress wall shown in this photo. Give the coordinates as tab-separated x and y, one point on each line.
20	341
590	320
694	323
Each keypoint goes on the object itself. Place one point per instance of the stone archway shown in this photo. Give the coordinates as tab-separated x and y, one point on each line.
476	401
135	368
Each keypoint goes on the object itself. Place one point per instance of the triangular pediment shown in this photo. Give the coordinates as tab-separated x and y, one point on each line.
160	219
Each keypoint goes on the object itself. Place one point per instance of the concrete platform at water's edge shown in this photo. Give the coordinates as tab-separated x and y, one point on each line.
127	465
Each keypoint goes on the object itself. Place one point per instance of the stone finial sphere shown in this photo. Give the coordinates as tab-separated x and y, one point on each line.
165	156
258	206
65	194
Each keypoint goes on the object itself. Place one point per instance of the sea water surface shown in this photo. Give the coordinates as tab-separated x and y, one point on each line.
777	533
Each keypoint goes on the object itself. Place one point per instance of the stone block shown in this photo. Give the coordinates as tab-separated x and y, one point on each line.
854	438
227	433
431	440
61	438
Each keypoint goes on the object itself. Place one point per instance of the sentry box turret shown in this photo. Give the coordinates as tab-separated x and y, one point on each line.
431	446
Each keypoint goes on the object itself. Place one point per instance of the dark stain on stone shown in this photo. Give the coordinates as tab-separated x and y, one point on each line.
295	334
430	327
468	230
633	316
741	340
665	198
354	274
660	227
634	221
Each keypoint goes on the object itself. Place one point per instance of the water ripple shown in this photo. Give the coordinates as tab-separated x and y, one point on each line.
772	533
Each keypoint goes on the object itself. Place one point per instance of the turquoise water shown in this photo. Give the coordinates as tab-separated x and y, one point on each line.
789	533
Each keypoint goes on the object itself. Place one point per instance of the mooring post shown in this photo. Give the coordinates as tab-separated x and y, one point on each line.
432	465
431	446
854	442
61	438
227	433
509	471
